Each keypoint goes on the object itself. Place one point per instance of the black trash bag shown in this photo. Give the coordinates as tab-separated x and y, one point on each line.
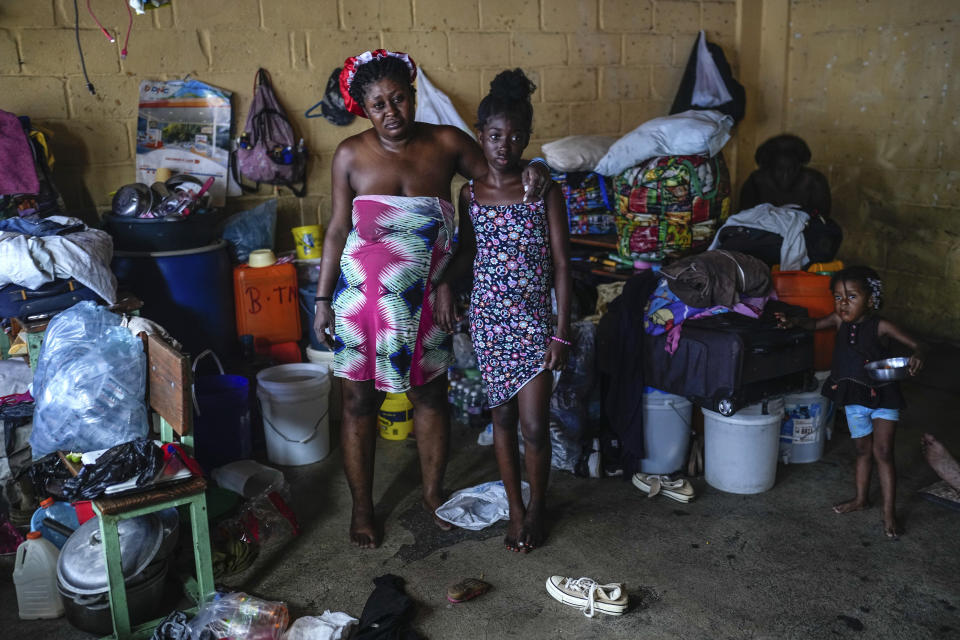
140	459
47	475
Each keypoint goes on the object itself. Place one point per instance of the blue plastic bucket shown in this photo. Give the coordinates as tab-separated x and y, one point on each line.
189	293
221	425
308	307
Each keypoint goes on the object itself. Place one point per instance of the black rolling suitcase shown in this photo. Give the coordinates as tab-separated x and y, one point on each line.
728	361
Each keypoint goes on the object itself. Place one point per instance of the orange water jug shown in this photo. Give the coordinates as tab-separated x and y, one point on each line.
267	302
812	292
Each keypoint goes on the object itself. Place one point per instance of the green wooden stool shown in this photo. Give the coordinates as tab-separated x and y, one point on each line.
169	393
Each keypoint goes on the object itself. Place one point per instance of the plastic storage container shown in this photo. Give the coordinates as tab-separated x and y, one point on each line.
267	303
666	431
186	292
222	420
35	578
325	357
395	417
803	429
811	291
740	451
64	518
296	421
249	478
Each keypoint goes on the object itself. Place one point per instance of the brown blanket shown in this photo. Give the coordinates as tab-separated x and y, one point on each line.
716	277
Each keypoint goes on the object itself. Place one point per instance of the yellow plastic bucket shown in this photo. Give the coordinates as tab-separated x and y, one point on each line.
396	417
309	241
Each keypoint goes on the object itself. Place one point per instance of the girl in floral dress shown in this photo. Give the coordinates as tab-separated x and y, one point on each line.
519	252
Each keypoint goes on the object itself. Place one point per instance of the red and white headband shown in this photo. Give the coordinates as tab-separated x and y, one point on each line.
351	65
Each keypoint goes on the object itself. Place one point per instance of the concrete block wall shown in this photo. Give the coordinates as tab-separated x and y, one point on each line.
874	88
601	66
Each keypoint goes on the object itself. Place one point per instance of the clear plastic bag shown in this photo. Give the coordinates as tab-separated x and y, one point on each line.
251	230
240	616
90	383
709	90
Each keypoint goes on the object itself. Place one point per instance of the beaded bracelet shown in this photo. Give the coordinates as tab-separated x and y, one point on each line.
561	340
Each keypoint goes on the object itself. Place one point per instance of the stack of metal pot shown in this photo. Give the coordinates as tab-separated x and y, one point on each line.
146	548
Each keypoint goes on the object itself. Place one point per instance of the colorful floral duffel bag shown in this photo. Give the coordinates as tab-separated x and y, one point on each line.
589	206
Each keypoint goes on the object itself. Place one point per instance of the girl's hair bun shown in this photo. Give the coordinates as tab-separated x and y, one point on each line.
512	85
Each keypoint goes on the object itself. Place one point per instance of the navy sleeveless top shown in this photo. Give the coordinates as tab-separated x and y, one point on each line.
856	345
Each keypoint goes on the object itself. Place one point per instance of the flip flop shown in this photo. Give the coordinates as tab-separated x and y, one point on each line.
467	589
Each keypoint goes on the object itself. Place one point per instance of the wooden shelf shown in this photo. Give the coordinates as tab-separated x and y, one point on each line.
608	241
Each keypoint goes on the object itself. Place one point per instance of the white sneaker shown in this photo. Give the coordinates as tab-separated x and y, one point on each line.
588	596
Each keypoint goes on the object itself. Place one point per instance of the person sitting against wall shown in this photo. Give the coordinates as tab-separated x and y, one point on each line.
782	178
387	244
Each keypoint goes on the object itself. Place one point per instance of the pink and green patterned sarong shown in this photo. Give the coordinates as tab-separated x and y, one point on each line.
383	302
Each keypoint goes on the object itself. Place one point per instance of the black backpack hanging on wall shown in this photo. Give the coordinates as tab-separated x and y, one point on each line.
268	150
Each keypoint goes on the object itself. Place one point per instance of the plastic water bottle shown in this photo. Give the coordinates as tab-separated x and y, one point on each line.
35	578
55	521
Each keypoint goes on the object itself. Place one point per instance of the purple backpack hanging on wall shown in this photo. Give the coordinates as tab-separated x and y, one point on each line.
268	150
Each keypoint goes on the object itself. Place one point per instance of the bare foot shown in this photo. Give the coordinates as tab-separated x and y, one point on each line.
940	460
890	527
532	535
442	524
363	529
513	541
850	505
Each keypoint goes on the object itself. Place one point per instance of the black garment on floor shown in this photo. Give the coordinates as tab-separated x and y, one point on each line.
388	612
620	345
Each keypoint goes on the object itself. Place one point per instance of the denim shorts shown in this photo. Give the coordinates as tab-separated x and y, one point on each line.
860	418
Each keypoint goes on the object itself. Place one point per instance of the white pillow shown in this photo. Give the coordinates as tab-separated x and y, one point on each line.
576	153
691	133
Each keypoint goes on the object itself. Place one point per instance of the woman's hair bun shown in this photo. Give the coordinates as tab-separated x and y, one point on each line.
511	85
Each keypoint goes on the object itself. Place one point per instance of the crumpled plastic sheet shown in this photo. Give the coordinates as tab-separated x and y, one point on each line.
479	507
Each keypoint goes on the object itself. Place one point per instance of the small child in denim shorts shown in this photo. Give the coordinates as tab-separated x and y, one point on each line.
872	408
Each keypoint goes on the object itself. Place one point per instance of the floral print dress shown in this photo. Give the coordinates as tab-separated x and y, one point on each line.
510	303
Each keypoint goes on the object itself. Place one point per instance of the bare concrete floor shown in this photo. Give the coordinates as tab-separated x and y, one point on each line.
774	565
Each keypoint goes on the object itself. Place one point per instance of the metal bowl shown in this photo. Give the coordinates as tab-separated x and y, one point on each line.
132	200
888	370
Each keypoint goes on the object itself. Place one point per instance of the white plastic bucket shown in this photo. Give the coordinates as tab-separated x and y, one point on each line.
326	358
666	431
35	578
295	407
802	430
740	451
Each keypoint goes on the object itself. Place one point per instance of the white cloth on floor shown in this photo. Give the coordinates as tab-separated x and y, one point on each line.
480	506
789	222
33	261
330	626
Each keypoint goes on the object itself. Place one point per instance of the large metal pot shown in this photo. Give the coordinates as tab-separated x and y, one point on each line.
82	574
144	601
